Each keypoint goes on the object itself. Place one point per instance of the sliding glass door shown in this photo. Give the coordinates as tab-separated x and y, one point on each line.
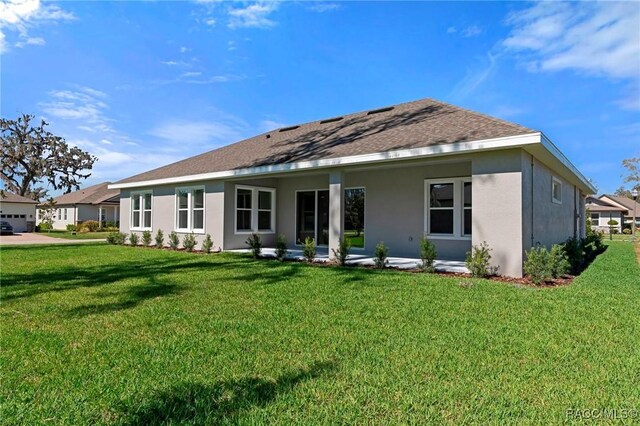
312	216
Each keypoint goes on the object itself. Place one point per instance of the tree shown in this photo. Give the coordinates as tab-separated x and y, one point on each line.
633	172
47	213
354	209
622	192
32	156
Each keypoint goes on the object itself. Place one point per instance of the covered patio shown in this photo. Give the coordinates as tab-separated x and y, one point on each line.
322	255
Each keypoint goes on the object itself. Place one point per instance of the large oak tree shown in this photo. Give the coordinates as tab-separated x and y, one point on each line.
33	157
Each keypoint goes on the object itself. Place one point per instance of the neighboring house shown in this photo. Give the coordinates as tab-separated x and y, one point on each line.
19	211
96	202
611	207
392	174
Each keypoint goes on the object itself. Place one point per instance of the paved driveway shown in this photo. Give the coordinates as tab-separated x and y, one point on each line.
33	238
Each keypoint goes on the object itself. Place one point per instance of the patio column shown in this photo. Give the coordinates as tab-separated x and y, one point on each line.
336	210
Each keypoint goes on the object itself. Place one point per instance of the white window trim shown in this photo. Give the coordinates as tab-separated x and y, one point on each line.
141	194
555	200
190	228
458	208
254	210
591	219
363	248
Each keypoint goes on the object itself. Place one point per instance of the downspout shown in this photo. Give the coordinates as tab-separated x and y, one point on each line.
575	213
532	182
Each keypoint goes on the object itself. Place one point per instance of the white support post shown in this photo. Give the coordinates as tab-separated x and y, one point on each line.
336	210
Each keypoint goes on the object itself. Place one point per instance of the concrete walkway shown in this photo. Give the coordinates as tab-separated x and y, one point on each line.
34	238
364	260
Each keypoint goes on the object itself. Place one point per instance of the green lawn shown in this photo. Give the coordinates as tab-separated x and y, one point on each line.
97	334
78	236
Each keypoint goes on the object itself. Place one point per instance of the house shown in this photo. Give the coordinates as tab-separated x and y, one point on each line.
96	202
391	174
19	211
612	207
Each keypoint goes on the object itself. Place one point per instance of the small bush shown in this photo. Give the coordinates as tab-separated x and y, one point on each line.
478	261
174	241
91	225
44	226
538	265
207	244
111	229
573	249
146	238
134	239
558	259
159	239
309	249
255	245
281	247
189	242
626	231
592	246
344	246
428	255
71	228
109	224
116	238
380	255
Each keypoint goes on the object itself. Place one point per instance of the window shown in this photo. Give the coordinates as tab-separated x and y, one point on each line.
595	219
59	213
255	209
556	191
190	209
354	201
448	208
312	216
23	216
65	214
141	205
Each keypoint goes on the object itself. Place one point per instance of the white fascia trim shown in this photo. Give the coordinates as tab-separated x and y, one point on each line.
430	151
546	142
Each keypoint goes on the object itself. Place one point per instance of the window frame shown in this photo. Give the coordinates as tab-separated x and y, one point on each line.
554	181
364	224
591	219
255	190
190	209
458	208
142	209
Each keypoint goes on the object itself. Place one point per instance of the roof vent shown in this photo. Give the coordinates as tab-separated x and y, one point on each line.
331	120
268	136
286	129
376	111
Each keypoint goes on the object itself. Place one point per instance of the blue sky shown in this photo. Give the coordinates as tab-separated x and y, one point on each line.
143	84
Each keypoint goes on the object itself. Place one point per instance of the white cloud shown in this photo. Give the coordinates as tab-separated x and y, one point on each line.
190	74
597	38
322	7
472	31
451	30
210	22
268	125
184	49
197	132
85	104
22	15
255	15
231	46
476	76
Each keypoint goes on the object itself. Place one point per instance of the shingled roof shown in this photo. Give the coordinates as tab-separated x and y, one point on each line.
417	124
9	197
95	194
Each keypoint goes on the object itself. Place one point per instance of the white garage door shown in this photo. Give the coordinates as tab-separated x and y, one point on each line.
18	221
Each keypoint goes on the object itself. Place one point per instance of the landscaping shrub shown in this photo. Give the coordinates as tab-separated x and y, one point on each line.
428	255
380	255
558	259
538	265
146	238
309	249
573	249
91	225
281	247
71	227
344	245
116	238
207	244
626	231
592	246
111	229
478	261
109	224
174	241
255	244
159	239
44	226
189	242
134	239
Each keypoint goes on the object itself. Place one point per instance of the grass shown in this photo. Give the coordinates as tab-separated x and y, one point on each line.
357	241
68	235
99	334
